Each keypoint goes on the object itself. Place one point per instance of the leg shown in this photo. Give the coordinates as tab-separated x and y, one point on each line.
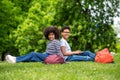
79	58
32	57
88	53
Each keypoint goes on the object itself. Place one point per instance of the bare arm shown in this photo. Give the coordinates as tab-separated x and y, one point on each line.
63	49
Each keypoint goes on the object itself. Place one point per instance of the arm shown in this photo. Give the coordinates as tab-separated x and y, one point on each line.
63	49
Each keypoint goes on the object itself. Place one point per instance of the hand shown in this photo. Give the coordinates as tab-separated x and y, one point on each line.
78	52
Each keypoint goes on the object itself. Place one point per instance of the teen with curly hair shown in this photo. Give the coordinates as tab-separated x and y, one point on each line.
53	47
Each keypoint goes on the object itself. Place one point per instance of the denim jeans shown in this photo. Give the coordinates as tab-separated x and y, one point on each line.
85	56
32	57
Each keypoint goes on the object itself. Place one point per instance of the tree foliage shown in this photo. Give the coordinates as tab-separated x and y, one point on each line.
29	34
8	22
23	21
90	22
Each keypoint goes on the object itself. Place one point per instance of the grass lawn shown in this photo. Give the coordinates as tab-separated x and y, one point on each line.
71	71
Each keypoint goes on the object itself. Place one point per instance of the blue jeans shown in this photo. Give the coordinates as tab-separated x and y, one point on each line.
32	57
85	56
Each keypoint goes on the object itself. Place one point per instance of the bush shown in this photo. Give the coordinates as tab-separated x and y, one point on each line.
92	38
29	35
88	31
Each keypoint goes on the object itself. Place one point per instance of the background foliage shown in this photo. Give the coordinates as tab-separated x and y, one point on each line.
29	34
23	21
90	22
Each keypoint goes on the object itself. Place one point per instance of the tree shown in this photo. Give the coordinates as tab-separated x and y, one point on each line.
8	22
23	21
90	22
29	34
11	15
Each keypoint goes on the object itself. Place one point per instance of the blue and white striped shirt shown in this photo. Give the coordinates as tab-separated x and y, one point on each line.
53	47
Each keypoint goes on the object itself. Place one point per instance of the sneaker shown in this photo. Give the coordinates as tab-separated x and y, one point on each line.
10	59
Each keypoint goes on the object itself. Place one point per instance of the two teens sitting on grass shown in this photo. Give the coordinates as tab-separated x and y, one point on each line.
55	47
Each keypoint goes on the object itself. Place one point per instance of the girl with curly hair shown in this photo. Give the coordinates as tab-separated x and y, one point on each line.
53	47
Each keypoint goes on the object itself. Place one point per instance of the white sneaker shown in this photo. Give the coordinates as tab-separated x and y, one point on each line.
10	59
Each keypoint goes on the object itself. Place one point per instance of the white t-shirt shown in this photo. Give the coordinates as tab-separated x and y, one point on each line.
64	43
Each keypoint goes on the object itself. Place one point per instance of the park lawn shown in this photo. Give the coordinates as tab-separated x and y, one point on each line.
72	71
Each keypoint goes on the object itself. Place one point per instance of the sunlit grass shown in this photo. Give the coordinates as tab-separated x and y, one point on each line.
72	71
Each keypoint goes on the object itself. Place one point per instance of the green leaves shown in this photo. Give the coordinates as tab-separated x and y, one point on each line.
22	23
29	35
90	23
8	23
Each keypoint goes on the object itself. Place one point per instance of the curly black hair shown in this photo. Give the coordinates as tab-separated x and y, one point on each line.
52	29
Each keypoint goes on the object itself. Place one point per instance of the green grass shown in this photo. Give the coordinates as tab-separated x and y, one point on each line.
72	71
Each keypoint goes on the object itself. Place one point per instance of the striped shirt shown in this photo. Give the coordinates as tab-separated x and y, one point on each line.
53	47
